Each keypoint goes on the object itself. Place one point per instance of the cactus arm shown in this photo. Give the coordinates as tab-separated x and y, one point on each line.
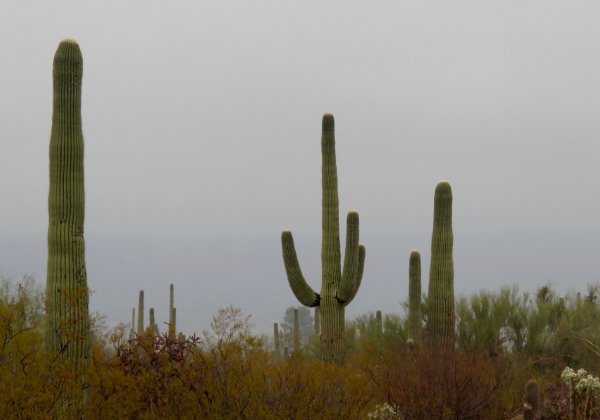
358	277
303	292
351	257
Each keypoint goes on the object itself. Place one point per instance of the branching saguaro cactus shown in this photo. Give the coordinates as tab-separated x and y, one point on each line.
440	323
67	295
414	295
338	287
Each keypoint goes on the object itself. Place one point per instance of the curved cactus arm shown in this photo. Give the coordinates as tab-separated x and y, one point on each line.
359	275
303	292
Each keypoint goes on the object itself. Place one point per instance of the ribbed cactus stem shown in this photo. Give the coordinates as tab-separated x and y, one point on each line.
276	341
171	303
338	286
414	295
531	400
441	272
296	331
379	324
140	325
132	330
317	320
153	326
67	296
173	324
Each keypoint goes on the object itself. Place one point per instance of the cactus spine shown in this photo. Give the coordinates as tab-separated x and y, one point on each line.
441	272
338	287
140	325
67	295
414	295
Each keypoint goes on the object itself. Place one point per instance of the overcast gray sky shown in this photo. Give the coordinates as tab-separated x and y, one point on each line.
202	129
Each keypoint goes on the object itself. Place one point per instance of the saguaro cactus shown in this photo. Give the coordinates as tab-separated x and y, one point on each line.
440	323
414	295
153	325
132	329
140	325
172	327
338	287
317	320
67	295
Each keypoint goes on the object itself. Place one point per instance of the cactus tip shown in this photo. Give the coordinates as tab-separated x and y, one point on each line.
328	122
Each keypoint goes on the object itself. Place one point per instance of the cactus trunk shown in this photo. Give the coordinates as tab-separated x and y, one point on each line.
338	287
171	302
153	325
317	320
67	295
414	295
140	324
440	324
173	325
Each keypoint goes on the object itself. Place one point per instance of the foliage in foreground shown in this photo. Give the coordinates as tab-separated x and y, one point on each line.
504	339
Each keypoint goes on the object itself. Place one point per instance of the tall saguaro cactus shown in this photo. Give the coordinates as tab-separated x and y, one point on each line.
172	327
338	287
440	323
414	295
67	295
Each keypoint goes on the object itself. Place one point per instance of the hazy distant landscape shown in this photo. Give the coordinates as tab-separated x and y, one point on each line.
210	273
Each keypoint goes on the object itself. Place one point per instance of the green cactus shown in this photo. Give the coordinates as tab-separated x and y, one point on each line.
296	331
140	324
172	327
132	329
317	320
67	295
276	341
153	325
414	295
440	323
338	287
